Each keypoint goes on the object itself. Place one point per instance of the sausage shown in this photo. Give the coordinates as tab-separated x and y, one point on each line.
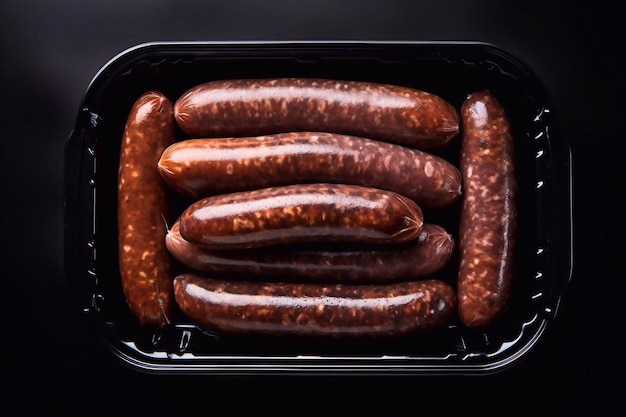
314	310
197	168
249	107
424	256
488	222
301	213
143	210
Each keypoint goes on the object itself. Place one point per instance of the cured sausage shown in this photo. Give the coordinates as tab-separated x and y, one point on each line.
488	222
314	310
424	256
249	107
301	213
143	210
198	168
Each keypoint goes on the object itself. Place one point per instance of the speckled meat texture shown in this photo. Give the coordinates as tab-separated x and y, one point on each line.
301	213
143	210
489	211
310	310
201	167
422	257
250	107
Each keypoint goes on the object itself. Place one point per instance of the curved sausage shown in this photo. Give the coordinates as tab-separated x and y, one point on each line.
488	221
421	257
314	310
143	210
248	107
301	213
200	167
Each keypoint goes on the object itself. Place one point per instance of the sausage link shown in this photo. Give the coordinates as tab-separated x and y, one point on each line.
248	107
488	221
314	310
200	167
143	210
301	213
421	257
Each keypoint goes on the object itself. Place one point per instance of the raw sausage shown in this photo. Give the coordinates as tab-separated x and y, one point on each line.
488	221
314	310
143	210
249	107
301	213
197	168
421	257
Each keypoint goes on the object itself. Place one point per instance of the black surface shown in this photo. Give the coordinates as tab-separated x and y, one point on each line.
51	51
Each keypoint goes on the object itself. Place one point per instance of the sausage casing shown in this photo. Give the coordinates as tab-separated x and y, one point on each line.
314	310
488	221
301	213
197	168
248	107
421	257
143	210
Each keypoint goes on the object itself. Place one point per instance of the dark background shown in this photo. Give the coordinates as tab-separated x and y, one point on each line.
51	51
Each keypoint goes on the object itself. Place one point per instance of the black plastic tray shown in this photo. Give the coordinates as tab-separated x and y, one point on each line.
449	69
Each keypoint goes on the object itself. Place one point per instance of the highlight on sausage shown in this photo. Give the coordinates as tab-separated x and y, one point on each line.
301	213
143	210
422	257
198	168
314	310
488	222
248	107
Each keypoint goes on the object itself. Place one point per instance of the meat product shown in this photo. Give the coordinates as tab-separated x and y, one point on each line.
301	213
248	107
488	222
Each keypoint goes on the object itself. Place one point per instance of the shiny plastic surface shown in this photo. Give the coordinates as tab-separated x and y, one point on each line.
451	70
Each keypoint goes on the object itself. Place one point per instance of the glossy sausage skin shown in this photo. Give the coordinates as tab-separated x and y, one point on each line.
201	167
314	310
301	213
143	210
249	107
488	222
424	256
